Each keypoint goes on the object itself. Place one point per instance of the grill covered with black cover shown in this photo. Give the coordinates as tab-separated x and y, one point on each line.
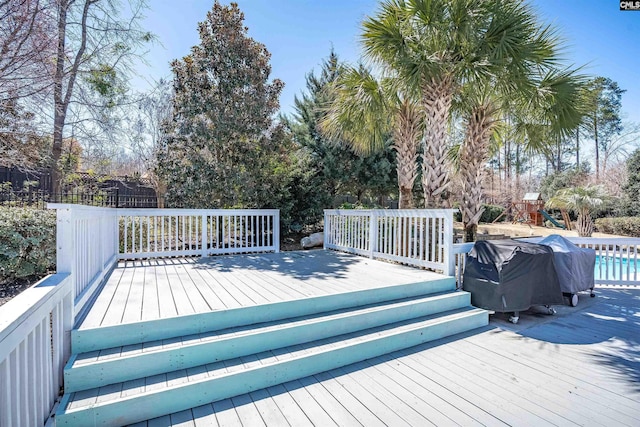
511	275
575	266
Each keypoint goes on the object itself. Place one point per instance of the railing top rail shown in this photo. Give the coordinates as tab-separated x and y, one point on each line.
42	295
194	212
390	212
161	212
78	207
462	248
592	240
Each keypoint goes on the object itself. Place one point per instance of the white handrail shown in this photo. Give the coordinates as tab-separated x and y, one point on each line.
90	240
153	233
35	343
419	237
86	246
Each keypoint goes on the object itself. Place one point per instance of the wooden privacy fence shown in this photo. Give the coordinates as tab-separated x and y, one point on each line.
417	237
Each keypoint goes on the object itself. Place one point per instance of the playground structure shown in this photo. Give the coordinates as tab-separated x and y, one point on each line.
531	211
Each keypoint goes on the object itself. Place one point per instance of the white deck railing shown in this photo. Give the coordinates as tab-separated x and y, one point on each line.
90	240
152	233
86	246
35	327
617	261
35	343
418	237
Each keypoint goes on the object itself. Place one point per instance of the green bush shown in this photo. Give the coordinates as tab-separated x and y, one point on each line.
491	212
623	226
27	243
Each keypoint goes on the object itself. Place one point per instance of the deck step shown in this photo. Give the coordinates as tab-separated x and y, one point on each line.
91	339
152	396
119	364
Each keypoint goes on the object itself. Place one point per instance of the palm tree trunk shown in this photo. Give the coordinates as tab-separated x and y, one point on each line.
473	156
584	225
597	151
578	148
406	138
437	95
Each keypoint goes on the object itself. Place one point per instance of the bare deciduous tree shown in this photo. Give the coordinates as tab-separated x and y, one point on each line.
27	43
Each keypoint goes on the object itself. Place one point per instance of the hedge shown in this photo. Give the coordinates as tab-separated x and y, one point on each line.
623	226
491	212
27	243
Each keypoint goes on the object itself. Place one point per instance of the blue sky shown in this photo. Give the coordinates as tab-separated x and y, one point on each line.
300	33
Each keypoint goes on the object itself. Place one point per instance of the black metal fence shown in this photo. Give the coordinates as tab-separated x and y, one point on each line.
105	198
19	188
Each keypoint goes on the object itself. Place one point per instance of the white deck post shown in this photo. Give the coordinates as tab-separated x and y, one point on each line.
276	230
203	235
68	318
65	245
449	258
373	233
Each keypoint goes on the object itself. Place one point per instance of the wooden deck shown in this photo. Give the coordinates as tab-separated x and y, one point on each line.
581	367
164	288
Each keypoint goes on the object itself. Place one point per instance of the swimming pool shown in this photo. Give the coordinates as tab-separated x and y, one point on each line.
609	267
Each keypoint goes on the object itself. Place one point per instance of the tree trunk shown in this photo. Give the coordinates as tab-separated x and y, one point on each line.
578	148
406	198
62	98
595	134
559	156
406	138
60	110
437	95
518	168
584	225
470	232
473	156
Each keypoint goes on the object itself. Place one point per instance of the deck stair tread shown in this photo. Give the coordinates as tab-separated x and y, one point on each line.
125	373
133	350
181	378
90	339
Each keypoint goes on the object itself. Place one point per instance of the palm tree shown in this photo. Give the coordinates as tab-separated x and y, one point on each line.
433	45
543	112
365	110
581	200
522	81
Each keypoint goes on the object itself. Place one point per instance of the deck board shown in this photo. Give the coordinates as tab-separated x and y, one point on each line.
580	368
576	369
150	300
164	288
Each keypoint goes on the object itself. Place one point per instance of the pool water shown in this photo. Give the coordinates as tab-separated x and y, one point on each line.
612	266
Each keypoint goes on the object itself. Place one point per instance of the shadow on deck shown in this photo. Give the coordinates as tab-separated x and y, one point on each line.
578	367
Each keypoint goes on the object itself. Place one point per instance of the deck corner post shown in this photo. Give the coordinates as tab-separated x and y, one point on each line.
373	233
276	230
449	259
325	230
68	319
65	247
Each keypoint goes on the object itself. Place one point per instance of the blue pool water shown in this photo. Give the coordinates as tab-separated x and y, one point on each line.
611	266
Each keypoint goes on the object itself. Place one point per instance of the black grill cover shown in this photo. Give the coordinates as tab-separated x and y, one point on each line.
510	275
575	266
